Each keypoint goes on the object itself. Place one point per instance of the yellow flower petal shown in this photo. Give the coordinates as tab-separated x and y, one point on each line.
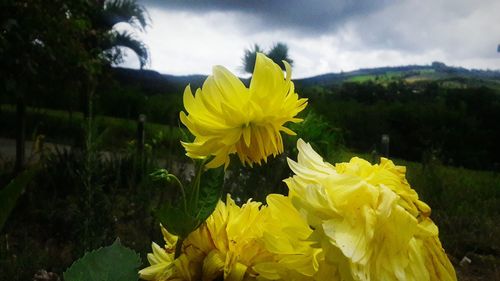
213	265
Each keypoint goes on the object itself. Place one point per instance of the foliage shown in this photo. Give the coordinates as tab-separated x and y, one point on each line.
10	193
114	262
112	134
420	118
195	204
256	182
467	215
278	53
40	39
315	129
115	99
125	39
249	58
48	230
129	11
109	13
92	206
464	205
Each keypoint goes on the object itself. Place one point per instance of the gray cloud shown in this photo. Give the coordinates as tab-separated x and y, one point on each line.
311	16
460	29
189	36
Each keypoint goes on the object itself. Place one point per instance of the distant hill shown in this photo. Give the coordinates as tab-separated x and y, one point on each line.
409	73
152	82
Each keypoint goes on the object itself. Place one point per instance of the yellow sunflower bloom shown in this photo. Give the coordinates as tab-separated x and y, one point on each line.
367	219
226	117
227	245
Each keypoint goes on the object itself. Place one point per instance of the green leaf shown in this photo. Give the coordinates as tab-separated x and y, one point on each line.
176	220
210	192
182	222
10	194
111	263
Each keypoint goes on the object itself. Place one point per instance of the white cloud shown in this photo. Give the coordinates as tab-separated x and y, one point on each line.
187	43
460	33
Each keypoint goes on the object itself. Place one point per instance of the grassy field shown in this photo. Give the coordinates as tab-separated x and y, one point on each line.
385	78
446	80
110	133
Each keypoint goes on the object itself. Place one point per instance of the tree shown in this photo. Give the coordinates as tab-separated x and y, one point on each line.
54	47
249	58
113	12
41	42
278	53
109	42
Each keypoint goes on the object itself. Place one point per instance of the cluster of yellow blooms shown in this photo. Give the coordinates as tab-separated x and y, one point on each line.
227	244
349	221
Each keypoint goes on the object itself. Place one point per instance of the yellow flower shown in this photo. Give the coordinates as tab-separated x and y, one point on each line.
227	245
226	117
286	235
163	266
367	219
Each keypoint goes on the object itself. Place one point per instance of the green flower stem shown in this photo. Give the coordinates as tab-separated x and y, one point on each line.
196	185
181	186
178	247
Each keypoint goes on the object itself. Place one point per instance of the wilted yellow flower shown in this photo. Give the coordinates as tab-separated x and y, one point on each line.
226	117
367	219
227	245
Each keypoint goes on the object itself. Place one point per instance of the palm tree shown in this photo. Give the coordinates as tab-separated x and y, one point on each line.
249	58
107	43
113	12
278	53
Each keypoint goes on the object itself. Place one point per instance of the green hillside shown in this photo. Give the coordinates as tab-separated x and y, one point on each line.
152	82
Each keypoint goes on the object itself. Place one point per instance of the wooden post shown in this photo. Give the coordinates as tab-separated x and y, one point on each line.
20	134
141	135
375	156
384	143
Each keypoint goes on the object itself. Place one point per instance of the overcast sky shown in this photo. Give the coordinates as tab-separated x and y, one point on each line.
190	36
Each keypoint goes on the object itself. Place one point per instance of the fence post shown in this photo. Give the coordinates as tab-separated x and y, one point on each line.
20	134
141	135
384	143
